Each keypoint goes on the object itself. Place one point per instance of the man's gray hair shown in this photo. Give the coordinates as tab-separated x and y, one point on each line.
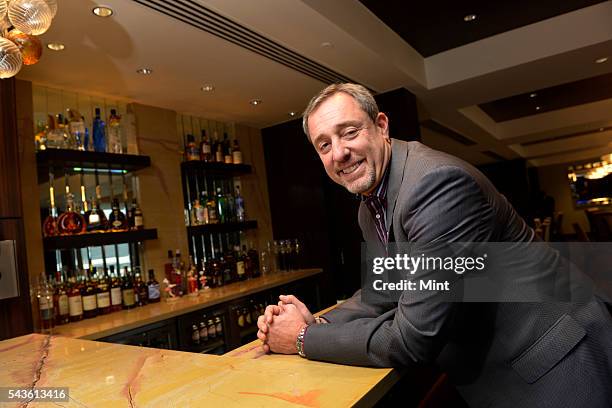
360	93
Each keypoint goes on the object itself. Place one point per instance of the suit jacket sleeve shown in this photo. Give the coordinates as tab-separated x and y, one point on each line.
446	205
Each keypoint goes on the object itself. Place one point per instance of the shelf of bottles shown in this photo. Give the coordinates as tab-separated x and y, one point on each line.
93	228
215	213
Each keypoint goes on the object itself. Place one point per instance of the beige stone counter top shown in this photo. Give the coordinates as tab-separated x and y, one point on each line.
118	322
111	375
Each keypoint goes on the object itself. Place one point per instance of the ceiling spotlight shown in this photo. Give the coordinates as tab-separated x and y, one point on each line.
601	60
292	114
533	95
327	44
208	88
145	71
56	46
469	17
255	102
102	11
537	108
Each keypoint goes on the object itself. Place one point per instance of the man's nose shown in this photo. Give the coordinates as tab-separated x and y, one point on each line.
340	152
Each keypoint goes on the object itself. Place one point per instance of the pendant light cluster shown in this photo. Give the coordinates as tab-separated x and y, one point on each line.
20	22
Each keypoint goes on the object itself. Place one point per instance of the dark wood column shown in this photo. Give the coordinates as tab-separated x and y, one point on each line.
15	312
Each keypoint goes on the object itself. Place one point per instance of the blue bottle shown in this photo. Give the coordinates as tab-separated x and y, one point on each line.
86	140
99	134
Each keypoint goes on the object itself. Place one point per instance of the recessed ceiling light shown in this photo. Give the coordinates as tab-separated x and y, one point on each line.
469	17
255	102
208	88
102	11
537	108
601	60
56	46
145	71
533	95
292	114
326	44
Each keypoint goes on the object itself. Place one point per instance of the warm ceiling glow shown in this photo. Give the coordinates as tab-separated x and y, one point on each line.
208	88
56	46
255	102
601	60
145	71
102	11
469	17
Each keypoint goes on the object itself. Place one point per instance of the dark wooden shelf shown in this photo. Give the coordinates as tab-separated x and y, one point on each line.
224	227
249	331
98	239
218	169
68	159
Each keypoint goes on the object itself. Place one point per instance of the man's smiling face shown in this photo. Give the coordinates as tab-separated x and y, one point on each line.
354	150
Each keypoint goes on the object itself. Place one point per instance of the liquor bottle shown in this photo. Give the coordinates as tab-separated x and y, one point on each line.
222	215
50	223
115	290
75	301
44	294
127	292
218	326
103	295
191	150
203	200
197	213
90	305
212	329
240	210
205	150
217	273
230	214
99	133
95	218
211	206
219	153
254	260
228	266
227	150
140	288
214	146
240	317
192	283
60	301
203	331
236	153
240	266
54	136
87	142
138	217
179	274
70	222
117	220
153	288
114	133
76	127
195	335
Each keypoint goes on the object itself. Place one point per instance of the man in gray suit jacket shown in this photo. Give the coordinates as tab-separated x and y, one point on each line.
523	354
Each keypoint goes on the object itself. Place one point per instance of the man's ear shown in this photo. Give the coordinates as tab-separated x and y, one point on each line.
382	123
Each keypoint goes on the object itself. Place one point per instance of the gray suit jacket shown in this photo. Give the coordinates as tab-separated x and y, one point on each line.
497	354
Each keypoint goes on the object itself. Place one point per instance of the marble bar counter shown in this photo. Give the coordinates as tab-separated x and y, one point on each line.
101	374
113	323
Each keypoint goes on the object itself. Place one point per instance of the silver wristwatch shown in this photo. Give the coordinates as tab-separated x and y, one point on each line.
299	342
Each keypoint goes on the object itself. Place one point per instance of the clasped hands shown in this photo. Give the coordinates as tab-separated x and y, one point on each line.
280	325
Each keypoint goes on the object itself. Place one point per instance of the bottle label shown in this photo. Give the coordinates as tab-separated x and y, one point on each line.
44	303
219	156
206	148
117	224
116	296
89	303
154	291
94	218
75	305
128	297
138	221
228	159
219	328
240	268
103	300
204	333
63	305
237	156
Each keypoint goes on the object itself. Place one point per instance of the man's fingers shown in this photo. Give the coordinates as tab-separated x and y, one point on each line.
265	348
261	324
262	336
271	310
290	299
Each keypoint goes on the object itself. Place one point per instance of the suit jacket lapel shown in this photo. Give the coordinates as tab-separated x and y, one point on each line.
399	152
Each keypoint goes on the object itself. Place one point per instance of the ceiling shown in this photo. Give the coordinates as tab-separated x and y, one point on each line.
473	80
